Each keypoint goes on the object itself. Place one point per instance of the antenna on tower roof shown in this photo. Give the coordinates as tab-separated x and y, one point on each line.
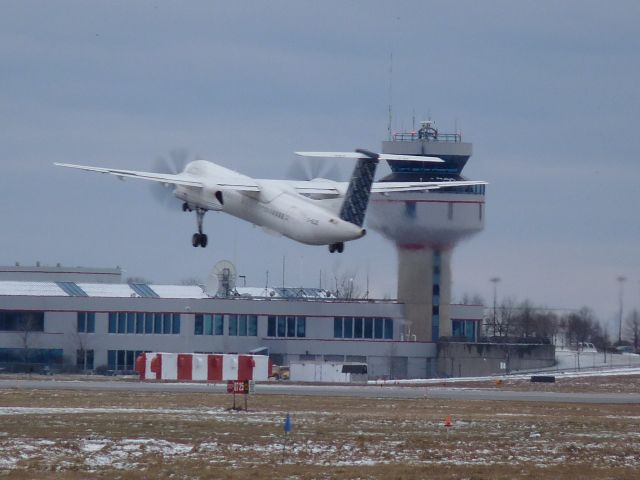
390	94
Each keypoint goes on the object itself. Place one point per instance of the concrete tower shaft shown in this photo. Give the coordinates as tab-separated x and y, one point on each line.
425	226
424	287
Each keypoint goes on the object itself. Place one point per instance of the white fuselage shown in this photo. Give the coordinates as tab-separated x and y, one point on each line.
277	206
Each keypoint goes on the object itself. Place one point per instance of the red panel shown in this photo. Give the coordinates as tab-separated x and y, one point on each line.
269	369
214	368
156	366
185	366
141	365
245	367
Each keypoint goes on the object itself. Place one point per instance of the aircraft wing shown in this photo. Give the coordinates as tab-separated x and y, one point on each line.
226	183
388	187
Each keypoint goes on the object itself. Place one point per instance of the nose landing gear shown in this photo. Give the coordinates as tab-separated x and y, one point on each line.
336	247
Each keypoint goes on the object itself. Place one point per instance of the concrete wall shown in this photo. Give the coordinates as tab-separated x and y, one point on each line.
477	359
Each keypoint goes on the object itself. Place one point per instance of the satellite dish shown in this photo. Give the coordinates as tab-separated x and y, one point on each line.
222	279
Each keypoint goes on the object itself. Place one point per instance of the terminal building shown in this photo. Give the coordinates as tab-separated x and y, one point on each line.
88	319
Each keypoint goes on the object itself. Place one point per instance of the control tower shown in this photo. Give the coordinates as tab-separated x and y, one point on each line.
425	226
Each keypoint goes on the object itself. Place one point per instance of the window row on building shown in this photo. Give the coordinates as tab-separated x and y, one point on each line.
22	321
363	327
85	359
137	322
31	355
122	359
286	326
86	322
464	328
237	325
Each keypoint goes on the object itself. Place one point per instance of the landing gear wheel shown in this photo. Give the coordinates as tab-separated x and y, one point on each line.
336	247
186	207
199	240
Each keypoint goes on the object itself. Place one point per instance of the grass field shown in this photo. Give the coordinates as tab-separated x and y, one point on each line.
90	434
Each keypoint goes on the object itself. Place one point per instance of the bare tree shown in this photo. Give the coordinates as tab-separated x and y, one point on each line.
632	328
347	286
471	299
506	317
81	339
581	326
27	326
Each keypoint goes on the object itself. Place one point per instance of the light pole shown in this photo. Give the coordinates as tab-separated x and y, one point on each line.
495	281
621	279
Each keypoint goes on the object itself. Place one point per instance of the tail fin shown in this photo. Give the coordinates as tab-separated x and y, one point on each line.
356	200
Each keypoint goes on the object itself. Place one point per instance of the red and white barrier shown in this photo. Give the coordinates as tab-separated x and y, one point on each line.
202	367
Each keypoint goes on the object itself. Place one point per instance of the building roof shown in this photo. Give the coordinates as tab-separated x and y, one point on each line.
111	290
126	290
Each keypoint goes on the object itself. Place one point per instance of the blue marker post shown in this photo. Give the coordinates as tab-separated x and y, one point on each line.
287	430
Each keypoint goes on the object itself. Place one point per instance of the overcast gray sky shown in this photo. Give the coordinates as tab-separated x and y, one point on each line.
547	92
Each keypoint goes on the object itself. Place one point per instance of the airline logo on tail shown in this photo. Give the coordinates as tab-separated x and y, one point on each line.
356	200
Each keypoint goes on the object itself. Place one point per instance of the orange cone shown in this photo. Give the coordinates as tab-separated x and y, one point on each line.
447	421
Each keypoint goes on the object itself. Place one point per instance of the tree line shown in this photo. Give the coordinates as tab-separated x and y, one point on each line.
517	321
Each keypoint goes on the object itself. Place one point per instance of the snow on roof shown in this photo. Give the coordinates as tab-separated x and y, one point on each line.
288	292
124	290
41	289
108	290
179	291
256	292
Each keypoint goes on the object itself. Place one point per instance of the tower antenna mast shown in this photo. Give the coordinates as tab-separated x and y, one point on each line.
390	94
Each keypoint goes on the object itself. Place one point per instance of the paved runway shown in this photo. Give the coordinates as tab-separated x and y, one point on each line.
367	391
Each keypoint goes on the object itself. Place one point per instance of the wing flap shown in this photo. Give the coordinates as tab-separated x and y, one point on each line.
316	187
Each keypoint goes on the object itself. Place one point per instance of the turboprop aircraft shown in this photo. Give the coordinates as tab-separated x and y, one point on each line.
314	212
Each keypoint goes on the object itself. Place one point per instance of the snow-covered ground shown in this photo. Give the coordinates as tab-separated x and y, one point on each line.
529	438
569	365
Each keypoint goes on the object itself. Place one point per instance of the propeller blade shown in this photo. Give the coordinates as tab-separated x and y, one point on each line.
297	171
173	164
333	172
179	158
314	168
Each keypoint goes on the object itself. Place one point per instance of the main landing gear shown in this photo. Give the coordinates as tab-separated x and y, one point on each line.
336	247
199	239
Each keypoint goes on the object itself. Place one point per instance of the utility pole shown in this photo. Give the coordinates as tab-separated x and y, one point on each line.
495	281
621	279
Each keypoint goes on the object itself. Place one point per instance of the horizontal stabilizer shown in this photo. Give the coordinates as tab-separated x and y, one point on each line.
378	156
388	187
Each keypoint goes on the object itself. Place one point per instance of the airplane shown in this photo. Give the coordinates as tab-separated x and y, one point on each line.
313	212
